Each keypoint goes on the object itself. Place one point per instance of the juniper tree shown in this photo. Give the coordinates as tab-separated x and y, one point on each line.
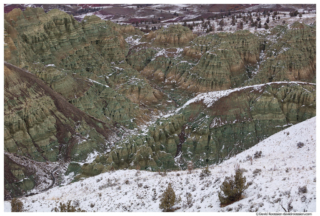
67	208
232	189
16	205
168	199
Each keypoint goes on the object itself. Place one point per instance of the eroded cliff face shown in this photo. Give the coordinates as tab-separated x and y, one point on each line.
57	38
213	127
41	125
173	36
67	54
208	63
289	54
73	88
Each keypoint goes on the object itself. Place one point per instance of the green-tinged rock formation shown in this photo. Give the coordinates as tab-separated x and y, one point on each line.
173	36
57	38
88	96
75	58
222	63
18	179
41	124
139	56
210	131
289	54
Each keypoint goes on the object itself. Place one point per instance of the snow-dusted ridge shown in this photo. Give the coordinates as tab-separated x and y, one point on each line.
209	98
284	168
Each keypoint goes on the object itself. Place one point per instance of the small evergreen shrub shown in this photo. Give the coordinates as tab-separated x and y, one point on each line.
168	199
67	208
232	189
16	205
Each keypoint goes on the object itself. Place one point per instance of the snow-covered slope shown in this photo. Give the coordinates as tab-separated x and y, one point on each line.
284	168
210	98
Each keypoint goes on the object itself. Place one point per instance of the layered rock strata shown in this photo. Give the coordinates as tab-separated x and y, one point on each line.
213	127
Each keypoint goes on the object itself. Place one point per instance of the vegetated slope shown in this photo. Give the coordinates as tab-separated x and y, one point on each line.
275	179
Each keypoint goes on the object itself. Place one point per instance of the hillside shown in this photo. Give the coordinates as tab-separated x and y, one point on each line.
85	95
275	180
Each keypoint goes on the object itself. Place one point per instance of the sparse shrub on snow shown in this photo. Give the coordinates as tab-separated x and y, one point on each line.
194	188
168	199
249	158
190	200
289	206
16	205
303	189
187	181
238	207
257	154
232	189
287	193
76	203
229	209
277	200
300	145
205	172
154	196
256	172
